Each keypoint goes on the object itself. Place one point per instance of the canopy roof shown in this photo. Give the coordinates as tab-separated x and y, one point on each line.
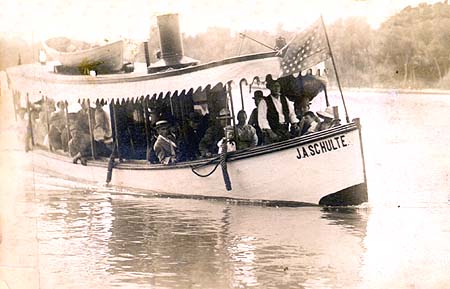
39	80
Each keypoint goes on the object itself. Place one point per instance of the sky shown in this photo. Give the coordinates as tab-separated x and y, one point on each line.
94	20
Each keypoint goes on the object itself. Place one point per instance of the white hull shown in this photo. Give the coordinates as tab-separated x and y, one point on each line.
110	56
270	173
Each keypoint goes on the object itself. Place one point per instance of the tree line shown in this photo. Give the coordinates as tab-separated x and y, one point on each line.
411	49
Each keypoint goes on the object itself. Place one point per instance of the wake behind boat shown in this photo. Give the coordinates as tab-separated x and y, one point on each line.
175	129
78	54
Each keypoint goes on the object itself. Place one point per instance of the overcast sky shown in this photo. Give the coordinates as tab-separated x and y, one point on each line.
93	20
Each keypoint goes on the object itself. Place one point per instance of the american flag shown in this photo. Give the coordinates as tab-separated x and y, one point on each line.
305	50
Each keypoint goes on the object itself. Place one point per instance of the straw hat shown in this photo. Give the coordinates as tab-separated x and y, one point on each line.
328	113
162	123
224	114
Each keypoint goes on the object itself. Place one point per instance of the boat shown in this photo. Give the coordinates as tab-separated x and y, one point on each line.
322	168
71	53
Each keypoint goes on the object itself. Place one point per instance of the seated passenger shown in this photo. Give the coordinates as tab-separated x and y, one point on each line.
23	129
41	129
57	135
165	146
214	133
246	134
102	131
275	113
191	133
80	143
253	120
154	117
328	119
311	125
229	138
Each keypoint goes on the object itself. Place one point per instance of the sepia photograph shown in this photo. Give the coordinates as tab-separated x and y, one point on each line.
224	144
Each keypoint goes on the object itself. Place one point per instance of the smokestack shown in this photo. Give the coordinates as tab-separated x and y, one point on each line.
147	54
172	54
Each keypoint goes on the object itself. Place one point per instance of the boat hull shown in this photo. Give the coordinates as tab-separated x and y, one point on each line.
323	168
108	57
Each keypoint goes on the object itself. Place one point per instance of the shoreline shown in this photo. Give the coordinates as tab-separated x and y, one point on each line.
396	90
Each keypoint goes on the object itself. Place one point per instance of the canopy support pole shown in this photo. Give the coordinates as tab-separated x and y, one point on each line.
47	121
326	96
91	129
146	127
14	94
116	131
30	124
66	116
335	70
232	108
242	95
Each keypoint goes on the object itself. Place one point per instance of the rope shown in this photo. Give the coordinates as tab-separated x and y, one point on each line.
193	168
222	162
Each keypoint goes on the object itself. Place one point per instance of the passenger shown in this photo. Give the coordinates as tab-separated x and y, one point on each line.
57	135
23	129
229	138
80	143
300	111
311	125
214	133
275	113
165	146
253	120
246	134
154	117
329	120
83	119
228	132
191	133
42	123
102	131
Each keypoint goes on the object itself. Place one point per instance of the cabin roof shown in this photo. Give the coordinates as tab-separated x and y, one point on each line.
40	80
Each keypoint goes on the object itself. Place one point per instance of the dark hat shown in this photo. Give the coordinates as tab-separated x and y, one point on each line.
270	81
258	94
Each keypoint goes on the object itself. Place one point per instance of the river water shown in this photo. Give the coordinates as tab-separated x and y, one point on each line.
92	236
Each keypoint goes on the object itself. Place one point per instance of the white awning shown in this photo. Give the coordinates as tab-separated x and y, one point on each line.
38	80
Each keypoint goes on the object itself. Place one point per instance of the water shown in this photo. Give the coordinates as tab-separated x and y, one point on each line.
91	236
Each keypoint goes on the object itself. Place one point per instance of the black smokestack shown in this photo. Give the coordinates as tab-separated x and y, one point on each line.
147	54
172	54
170	37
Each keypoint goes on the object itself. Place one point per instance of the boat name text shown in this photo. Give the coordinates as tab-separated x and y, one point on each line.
321	147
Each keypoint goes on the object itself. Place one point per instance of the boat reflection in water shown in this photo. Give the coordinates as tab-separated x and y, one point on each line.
99	239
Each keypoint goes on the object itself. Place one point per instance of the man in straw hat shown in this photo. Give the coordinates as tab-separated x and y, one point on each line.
329	120
215	133
275	113
165	146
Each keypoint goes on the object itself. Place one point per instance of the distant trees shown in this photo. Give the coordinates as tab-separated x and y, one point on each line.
416	43
410	49
13	51
352	42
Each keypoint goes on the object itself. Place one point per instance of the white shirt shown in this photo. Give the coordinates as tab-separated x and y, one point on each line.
262	112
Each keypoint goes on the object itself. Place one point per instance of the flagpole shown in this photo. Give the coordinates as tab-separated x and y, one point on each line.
335	70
